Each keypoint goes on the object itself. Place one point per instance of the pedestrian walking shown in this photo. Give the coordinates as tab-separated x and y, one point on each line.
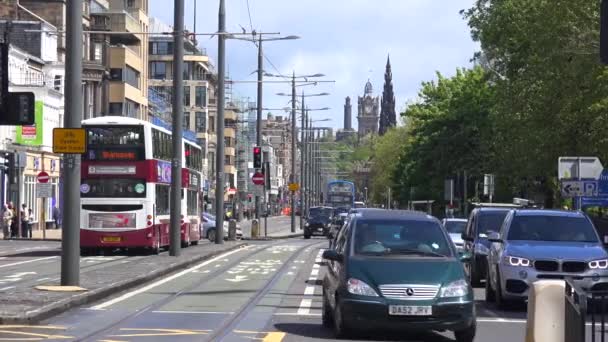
24	220
29	223
7	220
14	223
56	214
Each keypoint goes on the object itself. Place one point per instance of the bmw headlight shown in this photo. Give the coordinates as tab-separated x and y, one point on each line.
517	261
481	249
459	288
598	264
358	287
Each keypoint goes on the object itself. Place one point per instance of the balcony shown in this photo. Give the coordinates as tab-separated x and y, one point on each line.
124	55
121	21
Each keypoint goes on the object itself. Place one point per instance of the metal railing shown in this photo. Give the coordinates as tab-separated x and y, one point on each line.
579	305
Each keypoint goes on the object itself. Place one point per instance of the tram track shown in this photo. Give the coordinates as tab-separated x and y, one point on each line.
100	333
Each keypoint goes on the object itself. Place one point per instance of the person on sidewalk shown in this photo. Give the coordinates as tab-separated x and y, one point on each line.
7	220
56	214
14	223
24	220
29	223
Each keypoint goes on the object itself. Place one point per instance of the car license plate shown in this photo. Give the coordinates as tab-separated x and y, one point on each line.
319	229
402	310
111	239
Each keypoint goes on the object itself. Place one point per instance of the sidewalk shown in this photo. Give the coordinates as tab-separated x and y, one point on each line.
50	234
25	304
279	227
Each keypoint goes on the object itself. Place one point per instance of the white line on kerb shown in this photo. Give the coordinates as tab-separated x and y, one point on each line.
27	261
168	279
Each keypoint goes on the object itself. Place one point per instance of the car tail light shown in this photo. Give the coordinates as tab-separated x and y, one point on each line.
149	217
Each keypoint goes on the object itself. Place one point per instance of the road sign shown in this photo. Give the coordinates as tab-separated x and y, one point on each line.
69	140
44	190
579	188
294	187
448	190
258	178
488	184
42	177
590	168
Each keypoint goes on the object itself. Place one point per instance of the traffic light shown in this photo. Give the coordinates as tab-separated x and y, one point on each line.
16	109
257	157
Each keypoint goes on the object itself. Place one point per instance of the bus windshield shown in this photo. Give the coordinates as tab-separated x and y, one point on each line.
115	143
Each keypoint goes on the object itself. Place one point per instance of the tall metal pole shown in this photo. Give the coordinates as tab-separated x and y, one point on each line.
465	195
302	162
177	129
258	137
221	103
294	179
70	243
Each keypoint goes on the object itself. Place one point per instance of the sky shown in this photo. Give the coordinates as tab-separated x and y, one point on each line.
347	40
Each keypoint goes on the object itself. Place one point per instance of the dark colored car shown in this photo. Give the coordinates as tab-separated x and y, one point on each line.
481	222
318	221
396	270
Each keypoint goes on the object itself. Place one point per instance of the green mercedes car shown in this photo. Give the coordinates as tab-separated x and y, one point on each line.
396	270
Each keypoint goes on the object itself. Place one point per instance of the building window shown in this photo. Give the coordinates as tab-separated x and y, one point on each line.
130	3
200	122
212	125
161	48
201	96
186	120
116	74
57	83
158	70
132	77
53	199
211	158
132	109
97	54
115	108
187	71
29	187
187	96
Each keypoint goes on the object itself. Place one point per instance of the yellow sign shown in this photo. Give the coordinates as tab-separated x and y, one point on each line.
294	187
69	140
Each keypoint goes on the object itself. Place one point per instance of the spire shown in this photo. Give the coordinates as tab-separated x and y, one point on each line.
388	117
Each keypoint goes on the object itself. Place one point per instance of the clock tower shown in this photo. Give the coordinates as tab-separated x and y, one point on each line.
368	111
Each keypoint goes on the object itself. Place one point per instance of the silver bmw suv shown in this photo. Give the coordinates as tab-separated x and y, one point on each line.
543	244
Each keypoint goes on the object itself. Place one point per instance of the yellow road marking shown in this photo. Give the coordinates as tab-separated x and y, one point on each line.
274	337
161	332
10	332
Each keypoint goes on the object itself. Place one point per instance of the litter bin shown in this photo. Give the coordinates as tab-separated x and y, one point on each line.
232	230
255	228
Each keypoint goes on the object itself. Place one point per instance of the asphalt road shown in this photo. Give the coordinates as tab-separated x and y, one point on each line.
269	291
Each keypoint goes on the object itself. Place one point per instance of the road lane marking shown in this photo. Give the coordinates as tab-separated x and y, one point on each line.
165	280
7	288
195	312
274	337
28	261
297	314
161	332
309	291
500	320
305	305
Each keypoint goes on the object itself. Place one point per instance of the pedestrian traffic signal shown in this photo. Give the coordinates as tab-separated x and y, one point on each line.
16	109
257	157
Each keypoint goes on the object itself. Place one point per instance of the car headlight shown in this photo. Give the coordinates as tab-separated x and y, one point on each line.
307	224
598	264
459	288
517	261
358	287
481	249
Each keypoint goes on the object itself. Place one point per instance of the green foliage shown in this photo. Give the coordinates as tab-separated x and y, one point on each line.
385	161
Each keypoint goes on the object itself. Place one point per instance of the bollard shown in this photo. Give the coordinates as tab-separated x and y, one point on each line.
546	301
255	229
232	230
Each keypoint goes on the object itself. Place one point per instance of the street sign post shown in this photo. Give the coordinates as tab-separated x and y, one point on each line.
44	190
258	178
571	189
293	187
449	191
69	140
579	168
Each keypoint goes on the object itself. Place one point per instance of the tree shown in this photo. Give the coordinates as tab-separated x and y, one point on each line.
385	160
448	131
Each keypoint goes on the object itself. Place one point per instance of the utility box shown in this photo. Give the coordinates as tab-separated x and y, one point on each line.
255	229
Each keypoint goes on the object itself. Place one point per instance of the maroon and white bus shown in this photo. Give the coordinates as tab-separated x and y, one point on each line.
125	186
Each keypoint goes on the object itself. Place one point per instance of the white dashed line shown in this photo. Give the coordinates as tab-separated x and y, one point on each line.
306	303
27	261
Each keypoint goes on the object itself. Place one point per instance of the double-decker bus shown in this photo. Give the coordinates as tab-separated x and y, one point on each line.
125	186
340	195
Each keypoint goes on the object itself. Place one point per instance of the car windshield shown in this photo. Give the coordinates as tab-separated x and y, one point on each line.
552	228
373	237
320	213
490	221
455	227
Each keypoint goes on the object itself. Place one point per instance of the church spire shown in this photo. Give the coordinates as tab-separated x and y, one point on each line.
388	117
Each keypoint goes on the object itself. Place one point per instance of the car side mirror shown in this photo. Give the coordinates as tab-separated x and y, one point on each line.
465	237
333	255
465	256
494	237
